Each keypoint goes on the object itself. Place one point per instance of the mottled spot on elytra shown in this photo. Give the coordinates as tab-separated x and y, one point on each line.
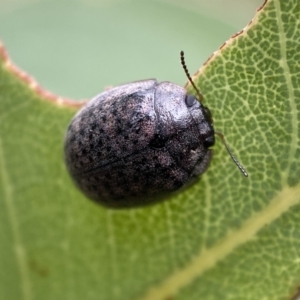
118	130
73	139
81	132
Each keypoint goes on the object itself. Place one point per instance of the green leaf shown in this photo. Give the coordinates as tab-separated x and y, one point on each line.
227	237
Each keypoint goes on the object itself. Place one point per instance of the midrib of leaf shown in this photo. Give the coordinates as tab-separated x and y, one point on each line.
19	248
207	259
284	64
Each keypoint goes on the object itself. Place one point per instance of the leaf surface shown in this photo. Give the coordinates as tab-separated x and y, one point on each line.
227	237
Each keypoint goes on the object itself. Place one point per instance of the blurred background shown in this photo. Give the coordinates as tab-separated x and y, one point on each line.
76	48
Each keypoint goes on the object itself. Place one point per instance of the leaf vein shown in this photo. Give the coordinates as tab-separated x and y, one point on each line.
19	247
287	74
207	259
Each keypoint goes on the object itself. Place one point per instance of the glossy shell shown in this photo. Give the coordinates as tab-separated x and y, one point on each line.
137	143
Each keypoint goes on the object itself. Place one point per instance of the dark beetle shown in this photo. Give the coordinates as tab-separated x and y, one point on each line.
135	144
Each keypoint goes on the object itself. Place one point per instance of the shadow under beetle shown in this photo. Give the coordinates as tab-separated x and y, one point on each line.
137	143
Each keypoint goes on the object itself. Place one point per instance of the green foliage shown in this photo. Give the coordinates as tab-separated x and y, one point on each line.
227	237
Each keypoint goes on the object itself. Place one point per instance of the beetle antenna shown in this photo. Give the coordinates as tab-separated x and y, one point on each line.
241	168
188	76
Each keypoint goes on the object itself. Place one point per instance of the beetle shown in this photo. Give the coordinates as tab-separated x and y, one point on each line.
139	143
